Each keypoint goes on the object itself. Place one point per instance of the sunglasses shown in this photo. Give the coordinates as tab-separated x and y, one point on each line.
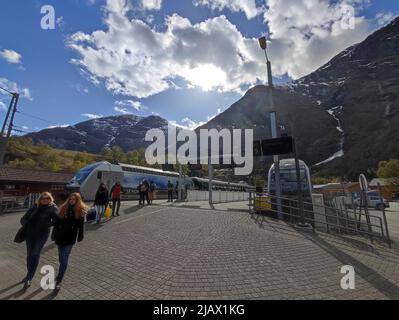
46	198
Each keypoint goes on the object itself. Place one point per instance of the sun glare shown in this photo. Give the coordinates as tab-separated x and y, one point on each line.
206	76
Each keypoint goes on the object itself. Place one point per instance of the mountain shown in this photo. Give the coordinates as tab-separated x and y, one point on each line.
299	115
359	88
126	131
344	116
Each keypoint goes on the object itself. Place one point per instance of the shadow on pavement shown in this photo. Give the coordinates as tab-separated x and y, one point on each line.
380	283
133	209
33	294
15	295
52	295
10	287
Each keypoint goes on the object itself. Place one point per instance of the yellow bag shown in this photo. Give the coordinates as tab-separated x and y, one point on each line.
108	212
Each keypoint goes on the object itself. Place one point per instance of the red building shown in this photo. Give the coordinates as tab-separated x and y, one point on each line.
16	182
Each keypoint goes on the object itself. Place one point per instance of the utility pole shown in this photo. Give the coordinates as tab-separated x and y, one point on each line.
8	124
273	122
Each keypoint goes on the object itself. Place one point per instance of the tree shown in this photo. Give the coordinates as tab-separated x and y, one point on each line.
390	170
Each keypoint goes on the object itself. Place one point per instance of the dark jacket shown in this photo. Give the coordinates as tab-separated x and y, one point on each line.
101	198
67	230
38	220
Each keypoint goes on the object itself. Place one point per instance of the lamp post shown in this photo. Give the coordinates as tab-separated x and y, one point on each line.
273	122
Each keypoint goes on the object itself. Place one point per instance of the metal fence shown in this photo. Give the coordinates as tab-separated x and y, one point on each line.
16	203
218	196
339	218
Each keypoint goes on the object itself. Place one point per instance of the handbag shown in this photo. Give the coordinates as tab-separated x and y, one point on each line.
21	233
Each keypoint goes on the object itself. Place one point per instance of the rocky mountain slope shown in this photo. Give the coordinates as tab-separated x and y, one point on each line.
126	131
359	88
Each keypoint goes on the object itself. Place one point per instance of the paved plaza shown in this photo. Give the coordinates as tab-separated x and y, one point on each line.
177	252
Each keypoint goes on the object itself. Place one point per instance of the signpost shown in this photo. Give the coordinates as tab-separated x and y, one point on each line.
364	204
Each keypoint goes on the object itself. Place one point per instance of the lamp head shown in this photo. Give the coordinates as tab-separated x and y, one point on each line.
263	43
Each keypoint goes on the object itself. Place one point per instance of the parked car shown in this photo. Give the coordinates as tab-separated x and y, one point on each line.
373	201
395	197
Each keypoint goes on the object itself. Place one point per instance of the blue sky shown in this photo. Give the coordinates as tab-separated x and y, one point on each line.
184	60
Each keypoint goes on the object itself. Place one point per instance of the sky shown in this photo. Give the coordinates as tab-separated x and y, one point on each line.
184	60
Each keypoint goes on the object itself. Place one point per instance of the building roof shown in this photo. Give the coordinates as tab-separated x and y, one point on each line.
8	174
382	182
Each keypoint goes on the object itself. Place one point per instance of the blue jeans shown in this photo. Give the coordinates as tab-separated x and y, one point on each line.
63	256
100	210
33	250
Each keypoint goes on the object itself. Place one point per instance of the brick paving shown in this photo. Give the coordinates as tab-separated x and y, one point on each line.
162	252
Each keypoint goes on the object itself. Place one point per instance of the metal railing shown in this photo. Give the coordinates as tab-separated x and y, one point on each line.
16	203
330	219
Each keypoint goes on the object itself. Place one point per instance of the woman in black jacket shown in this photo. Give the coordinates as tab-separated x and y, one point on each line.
67	230
37	221
101	201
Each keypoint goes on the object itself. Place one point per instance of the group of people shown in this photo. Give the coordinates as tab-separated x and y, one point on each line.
68	226
146	192
102	197
67	222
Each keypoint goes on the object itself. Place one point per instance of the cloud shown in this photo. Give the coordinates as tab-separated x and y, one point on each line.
134	59
383	18
122	110
58	126
13	87
151	4
305	34
190	124
247	6
91	115
137	105
11	56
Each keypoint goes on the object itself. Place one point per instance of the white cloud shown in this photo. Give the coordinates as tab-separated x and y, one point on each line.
13	87
58	126
305	34
137	105
383	18
152	4
11	56
122	110
134	59
247	6
91	115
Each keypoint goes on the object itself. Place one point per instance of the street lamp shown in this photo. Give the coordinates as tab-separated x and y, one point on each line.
273	122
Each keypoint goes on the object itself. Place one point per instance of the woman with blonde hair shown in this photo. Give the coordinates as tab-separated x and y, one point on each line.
36	224
68	230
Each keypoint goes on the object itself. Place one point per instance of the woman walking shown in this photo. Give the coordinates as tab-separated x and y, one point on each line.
68	229
101	201
37	222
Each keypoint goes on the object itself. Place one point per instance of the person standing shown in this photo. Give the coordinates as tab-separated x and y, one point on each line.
68	229
37	222
116	192
147	191
152	191
142	190
170	191
177	190
101	201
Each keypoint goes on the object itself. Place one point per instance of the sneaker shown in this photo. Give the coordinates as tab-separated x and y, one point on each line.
58	285
27	284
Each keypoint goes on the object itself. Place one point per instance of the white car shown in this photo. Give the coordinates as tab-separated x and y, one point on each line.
373	201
